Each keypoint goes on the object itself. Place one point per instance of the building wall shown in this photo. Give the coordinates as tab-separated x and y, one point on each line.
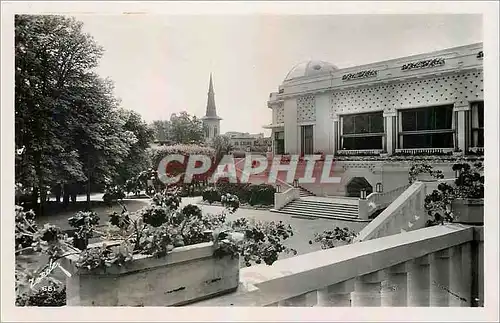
291	128
323	134
322	100
392	175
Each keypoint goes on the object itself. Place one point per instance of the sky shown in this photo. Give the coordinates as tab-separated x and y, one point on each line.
161	64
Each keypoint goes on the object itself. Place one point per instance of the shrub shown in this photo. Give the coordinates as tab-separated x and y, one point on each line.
262	194
470	182
423	168
51	295
211	195
113	193
330	238
84	222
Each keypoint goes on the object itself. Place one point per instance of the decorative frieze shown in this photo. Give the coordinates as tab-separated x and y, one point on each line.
428	63
359	75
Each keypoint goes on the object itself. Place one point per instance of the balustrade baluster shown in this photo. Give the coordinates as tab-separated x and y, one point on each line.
440	278
460	276
367	290
336	295
394	292
467	274
419	282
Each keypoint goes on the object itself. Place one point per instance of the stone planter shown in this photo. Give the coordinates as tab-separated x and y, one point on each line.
468	211
185	275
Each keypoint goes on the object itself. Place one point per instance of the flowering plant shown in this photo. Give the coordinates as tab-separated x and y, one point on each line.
331	238
155	230
423	168
469	184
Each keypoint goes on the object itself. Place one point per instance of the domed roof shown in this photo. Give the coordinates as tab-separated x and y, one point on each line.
310	68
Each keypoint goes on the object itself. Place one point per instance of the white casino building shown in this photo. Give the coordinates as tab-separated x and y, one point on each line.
426	104
432	100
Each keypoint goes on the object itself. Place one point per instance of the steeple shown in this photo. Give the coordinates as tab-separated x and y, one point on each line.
211	112
211	122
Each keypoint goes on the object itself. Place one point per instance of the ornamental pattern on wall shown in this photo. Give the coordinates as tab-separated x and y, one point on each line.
428	63
306	109
458	88
280	113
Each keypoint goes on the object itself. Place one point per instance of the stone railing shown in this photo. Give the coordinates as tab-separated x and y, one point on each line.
359	152
382	200
418	151
406	212
428	267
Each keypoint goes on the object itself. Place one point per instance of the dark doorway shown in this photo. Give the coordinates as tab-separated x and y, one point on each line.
354	187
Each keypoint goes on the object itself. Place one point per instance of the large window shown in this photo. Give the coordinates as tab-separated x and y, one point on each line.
307	140
363	131
477	126
279	143
430	127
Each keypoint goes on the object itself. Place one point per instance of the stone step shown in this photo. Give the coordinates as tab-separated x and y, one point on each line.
321	209
323	204
299	214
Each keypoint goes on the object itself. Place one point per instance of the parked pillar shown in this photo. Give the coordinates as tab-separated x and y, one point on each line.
419	282
335	135
394	291
390	131
336	295
367	290
440	278
460	126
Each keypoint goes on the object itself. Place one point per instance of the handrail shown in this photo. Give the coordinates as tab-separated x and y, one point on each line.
381	221
263	285
404	213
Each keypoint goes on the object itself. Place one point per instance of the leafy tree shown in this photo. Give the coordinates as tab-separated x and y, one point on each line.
68	125
222	146
161	130
137	160
186	129
51	53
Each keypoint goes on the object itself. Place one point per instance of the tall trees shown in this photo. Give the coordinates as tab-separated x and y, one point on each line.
66	116
182	128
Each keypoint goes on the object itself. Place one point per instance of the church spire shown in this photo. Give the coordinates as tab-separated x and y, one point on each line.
211	109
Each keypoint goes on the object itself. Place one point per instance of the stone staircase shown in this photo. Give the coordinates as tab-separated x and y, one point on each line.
316	207
305	193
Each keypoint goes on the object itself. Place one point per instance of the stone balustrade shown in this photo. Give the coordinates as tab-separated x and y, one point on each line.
428	267
383	199
405	212
355	152
417	151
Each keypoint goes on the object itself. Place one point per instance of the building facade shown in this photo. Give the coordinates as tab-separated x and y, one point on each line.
211	122
244	141
421	102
